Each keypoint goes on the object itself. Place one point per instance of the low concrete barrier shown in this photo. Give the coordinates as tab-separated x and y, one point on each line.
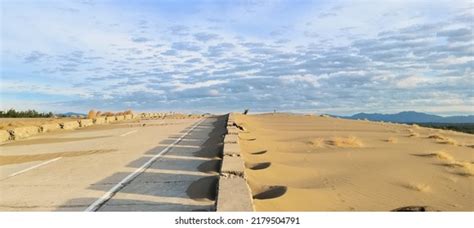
23	132
233	130
110	119
231	149
86	122
232	166
231	138
100	120
49	127
233	195
69	125
4	136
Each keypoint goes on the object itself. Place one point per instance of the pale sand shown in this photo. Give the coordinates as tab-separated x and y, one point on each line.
330	164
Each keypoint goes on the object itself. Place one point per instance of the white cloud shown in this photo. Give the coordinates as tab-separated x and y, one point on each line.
410	82
363	51
179	86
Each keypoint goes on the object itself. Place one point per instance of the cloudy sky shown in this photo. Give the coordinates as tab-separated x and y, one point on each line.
338	57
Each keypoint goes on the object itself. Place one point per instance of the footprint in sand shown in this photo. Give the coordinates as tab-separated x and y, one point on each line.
246	137
258	152
257	166
415	209
270	192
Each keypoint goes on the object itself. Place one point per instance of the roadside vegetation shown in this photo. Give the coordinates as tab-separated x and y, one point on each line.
462	127
12	113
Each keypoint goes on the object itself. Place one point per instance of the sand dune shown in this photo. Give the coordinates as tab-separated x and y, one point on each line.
317	163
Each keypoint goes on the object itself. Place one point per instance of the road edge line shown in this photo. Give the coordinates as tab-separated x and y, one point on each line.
109	194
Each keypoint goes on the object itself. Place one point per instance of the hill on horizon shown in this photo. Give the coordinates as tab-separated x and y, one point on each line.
412	117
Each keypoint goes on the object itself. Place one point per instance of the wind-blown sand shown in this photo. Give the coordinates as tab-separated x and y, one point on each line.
298	163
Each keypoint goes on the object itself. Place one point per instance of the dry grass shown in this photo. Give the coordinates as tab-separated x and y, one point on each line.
467	171
463	168
449	141
350	141
443	139
316	142
418	187
441	155
437	137
391	140
413	134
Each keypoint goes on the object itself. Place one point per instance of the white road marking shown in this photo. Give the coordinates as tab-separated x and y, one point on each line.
34	167
102	200
187	158
130	132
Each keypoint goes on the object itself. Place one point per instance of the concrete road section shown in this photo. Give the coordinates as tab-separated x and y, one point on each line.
151	165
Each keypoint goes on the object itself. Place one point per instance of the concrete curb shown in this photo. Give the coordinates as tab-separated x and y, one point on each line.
231	139
69	125
99	120
4	136
234	195
232	166
233	192
232	130
231	149
110	119
86	122
49	127
23	132
27	131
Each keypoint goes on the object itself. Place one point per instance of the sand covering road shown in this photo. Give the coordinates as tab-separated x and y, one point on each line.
296	162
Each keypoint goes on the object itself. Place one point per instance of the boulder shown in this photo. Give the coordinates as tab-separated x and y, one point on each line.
120	118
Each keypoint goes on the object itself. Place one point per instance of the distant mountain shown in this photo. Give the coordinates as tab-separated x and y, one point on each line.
412	117
72	114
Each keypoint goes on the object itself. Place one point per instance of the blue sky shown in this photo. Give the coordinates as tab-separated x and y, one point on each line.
338	57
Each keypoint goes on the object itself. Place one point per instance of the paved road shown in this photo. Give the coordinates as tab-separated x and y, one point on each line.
168	165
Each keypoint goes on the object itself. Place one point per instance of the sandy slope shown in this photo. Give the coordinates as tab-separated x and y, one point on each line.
329	164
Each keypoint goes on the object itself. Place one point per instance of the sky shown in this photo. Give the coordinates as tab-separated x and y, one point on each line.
337	57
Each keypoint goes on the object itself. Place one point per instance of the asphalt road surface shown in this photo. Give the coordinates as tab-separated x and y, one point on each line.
151	165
